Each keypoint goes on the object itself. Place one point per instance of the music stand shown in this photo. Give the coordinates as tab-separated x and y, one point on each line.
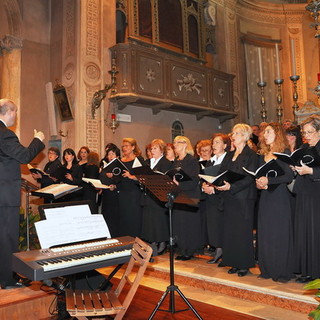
28	187
163	188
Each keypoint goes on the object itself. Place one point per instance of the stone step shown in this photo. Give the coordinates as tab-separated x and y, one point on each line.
196	273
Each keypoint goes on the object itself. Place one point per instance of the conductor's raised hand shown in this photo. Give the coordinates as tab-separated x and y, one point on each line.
39	135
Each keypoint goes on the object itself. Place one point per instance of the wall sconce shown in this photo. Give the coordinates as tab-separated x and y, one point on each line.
314	8
61	134
101	94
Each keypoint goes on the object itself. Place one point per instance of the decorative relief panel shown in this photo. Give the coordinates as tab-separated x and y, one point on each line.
69	23
220	93
93	25
150	75
162	81
188	85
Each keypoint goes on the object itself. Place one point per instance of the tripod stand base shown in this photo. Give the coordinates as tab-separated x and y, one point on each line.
171	290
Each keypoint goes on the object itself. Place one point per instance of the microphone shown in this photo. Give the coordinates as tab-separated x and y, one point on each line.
55	284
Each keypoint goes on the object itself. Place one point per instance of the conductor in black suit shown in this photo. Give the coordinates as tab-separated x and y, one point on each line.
12	154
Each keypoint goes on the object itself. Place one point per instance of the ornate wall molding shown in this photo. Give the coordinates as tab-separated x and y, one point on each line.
274	13
9	43
14	17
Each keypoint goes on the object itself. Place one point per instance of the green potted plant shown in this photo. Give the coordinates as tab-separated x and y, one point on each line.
33	238
314	285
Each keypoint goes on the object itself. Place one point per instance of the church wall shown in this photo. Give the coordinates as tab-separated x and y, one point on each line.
34	75
145	127
35	70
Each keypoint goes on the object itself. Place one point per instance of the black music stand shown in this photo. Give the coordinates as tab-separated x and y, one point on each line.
27	186
164	189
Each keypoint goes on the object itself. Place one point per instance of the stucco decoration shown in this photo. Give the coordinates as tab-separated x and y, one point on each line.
9	42
308	109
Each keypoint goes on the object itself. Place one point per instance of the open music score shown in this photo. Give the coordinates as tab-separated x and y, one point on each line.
55	191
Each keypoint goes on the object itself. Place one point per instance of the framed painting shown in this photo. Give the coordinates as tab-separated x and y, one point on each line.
62	102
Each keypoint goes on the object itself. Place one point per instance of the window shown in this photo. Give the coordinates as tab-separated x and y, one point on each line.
177	129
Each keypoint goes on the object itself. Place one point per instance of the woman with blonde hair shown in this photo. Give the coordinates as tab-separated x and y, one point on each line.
239	200
275	253
186	219
130	211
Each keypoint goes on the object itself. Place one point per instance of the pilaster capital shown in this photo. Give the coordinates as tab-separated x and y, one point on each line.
9	43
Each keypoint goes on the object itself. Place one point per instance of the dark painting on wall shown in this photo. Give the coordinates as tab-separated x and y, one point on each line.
62	102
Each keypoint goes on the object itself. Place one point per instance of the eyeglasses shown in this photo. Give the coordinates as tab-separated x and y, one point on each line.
308	133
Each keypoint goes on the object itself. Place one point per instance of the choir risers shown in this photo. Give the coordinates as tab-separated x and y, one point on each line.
50	263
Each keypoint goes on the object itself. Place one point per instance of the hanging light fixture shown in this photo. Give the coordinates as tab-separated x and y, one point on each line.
112	122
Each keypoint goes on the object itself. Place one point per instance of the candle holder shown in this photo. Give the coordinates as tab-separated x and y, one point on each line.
279	83
263	111
295	106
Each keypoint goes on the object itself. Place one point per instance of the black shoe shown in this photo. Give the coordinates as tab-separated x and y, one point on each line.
304	279
185	258
242	273
261	276
215	259
233	270
178	257
14	286
220	265
162	247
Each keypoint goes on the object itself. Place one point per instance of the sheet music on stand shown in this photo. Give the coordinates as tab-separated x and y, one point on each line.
56	191
161	185
70	223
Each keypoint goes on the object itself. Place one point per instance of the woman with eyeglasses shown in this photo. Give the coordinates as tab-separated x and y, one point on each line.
239	200
275	229
186	218
307	217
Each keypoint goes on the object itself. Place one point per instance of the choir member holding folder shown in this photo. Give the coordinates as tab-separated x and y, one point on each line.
155	224
239	199
47	176
130	210
213	199
186	219
110	197
91	171
307	217
71	173
275	234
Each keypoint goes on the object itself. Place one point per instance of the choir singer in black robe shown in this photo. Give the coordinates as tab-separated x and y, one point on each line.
239	199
